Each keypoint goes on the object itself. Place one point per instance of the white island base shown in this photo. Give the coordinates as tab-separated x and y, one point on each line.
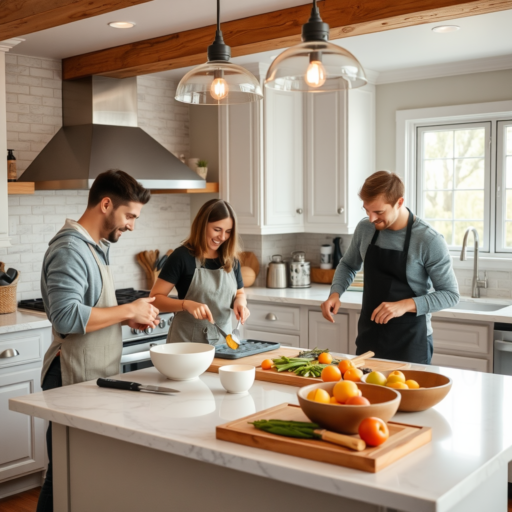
126	451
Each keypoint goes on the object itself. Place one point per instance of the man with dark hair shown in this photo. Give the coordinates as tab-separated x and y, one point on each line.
79	294
408	275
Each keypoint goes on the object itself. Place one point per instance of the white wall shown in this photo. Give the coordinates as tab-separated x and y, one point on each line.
34	109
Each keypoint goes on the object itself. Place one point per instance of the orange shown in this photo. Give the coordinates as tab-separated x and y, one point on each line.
412	384
397	385
344	365
344	390
354	374
357	400
319	395
334	401
325	358
396	376
331	374
267	364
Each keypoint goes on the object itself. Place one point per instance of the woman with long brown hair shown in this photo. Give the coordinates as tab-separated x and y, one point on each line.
207	276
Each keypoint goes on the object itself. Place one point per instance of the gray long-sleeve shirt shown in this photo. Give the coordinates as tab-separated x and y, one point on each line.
429	267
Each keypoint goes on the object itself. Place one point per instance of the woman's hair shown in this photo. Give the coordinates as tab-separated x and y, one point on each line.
213	211
384	183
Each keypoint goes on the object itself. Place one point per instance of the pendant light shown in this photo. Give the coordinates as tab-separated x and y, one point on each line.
218	82
315	65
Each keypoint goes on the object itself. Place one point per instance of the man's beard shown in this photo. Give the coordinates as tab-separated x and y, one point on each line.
113	230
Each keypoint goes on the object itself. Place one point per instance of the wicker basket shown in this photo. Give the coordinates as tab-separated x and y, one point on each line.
8	303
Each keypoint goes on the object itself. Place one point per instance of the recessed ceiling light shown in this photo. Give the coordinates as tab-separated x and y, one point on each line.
122	24
444	29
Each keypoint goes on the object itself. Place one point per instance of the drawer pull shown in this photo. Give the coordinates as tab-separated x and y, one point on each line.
271	317
10	352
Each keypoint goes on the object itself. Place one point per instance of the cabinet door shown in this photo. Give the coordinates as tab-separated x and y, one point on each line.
240	156
286	340
284	204
325	161
463	363
324	334
22	437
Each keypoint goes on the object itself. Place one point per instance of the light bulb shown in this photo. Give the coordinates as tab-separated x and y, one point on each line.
219	89
315	75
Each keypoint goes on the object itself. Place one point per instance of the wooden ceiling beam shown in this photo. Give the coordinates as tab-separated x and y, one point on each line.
21	17
271	31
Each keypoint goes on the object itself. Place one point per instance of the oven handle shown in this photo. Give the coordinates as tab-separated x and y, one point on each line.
138	357
143	341
503	346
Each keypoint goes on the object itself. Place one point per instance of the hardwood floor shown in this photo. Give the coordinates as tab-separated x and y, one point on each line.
23	502
27	502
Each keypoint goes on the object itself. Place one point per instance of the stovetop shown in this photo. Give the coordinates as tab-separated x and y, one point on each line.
124	296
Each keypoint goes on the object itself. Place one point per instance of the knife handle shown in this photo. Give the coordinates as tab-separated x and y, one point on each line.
118	384
347	441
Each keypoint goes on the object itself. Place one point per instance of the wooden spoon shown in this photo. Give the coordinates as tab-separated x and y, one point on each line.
359	360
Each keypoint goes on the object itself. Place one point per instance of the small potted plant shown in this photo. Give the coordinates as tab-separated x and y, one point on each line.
202	168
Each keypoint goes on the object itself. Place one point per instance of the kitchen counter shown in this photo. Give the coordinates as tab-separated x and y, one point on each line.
22	321
156	447
318	293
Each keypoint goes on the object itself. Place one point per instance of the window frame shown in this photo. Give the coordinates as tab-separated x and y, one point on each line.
485	237
501	186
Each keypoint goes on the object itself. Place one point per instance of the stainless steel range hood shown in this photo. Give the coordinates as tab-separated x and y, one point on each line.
100	132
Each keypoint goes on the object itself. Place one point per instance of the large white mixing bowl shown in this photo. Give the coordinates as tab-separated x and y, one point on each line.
182	361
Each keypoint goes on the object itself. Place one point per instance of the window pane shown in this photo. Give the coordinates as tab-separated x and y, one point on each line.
470	173
438	174
438	205
470	142
438	144
509	140
445	228
508	163
469	205
508	234
460	229
509	205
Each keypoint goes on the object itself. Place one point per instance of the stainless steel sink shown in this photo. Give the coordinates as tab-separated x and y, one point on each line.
479	306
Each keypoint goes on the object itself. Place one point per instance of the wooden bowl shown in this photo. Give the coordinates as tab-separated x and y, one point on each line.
345	419
433	388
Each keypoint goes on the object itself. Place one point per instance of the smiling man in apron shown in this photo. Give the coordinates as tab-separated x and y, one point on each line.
79	295
408	275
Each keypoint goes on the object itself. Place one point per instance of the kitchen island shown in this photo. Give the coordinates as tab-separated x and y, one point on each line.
120	450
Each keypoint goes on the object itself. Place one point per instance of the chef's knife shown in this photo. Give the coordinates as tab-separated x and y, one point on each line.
133	386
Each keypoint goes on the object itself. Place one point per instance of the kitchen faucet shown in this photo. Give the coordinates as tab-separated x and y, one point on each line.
477	283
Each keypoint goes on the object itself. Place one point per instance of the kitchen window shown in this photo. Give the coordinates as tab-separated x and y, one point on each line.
464	178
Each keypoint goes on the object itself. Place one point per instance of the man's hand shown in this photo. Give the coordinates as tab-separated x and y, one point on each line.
388	310
241	311
330	306
198	310
143	313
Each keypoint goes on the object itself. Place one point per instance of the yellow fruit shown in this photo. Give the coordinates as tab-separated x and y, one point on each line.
397	385
345	389
412	384
319	395
334	401
376	378
396	376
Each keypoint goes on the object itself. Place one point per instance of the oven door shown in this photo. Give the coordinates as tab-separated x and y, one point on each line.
135	355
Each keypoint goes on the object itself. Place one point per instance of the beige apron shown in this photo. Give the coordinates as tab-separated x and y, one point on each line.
215	288
96	354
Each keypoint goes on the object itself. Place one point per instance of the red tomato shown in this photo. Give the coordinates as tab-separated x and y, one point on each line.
357	400
373	431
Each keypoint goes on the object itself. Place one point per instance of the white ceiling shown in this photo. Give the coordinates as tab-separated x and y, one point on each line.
480	37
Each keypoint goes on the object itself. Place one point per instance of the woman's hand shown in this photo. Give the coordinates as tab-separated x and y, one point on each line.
198	311
241	311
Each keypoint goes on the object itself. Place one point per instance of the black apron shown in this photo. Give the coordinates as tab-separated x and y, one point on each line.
385	280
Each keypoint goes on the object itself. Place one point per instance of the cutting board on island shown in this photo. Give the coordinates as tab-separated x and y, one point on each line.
403	439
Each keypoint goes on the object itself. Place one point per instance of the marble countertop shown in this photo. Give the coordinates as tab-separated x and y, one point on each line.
318	293
23	321
471	440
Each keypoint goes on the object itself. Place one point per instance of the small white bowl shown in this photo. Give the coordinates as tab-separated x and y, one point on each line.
182	361
237	378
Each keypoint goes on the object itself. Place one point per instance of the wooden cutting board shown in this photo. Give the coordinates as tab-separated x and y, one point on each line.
403	439
255	360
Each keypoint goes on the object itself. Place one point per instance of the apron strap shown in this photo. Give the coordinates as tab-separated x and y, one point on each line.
198	263
93	250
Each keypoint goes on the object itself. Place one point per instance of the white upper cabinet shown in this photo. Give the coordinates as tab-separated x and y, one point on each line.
296	162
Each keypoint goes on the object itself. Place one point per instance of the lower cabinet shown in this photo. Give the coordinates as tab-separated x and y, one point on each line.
324	334
286	340
22	437
463	363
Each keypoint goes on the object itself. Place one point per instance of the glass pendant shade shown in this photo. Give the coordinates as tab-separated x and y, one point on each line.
218	83
315	66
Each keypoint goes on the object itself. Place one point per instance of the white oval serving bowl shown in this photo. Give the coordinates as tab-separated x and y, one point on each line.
182	361
237	378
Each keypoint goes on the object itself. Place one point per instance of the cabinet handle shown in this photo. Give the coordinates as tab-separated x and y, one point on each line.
299	211
341	210
271	317
10	352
